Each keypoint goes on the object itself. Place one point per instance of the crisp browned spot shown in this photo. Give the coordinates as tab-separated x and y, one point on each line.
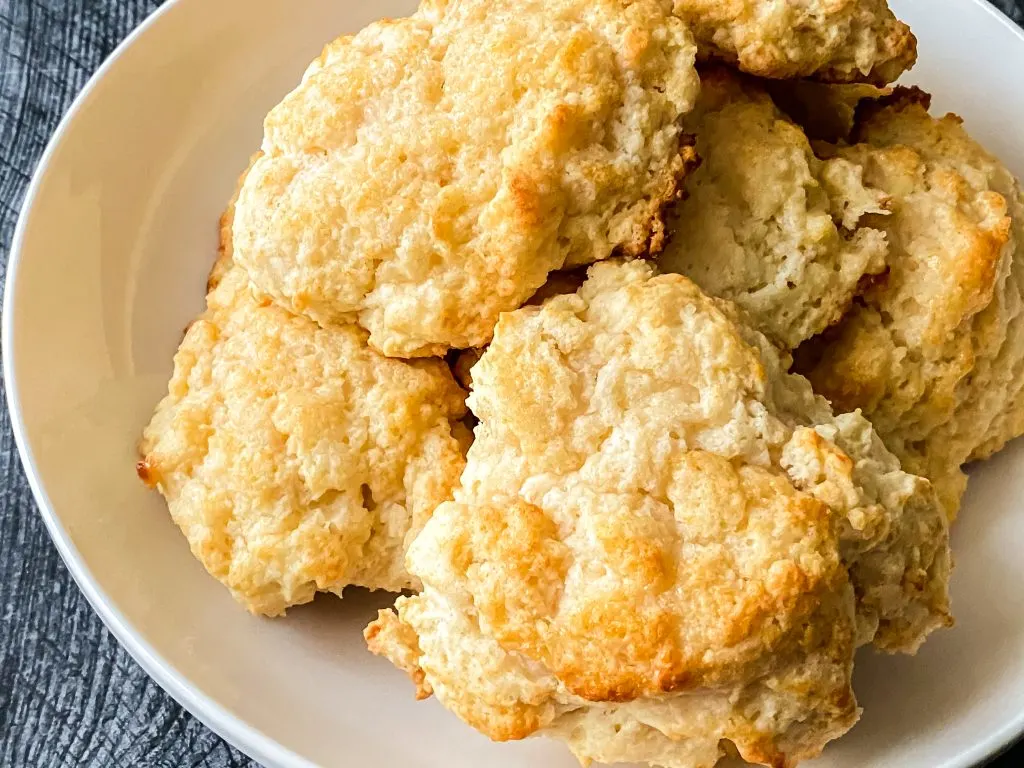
901	98
145	472
526	200
510	722
371	633
423	689
763	751
650	237
561	118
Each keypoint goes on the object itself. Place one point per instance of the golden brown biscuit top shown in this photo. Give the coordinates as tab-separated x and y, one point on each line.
606	387
930	352
621	596
295	458
658	528
429	172
836	41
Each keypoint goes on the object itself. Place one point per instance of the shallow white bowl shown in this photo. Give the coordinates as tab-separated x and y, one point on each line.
108	266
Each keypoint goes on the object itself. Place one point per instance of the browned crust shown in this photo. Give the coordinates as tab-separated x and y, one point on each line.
900	98
585	648
650	238
146	472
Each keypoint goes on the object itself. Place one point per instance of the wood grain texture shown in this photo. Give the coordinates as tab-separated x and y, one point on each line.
69	695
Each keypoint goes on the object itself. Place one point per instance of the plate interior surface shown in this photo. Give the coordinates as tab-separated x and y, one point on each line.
109	266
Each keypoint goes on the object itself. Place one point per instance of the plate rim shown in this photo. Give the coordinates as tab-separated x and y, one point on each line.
230	727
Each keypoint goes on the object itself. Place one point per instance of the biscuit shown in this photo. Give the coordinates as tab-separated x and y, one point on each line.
767	224
934	353
662	543
558	284
837	41
429	172
296	459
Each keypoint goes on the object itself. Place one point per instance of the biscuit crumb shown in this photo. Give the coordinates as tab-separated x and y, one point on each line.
934	354
835	41
294	458
429	172
767	224
662	543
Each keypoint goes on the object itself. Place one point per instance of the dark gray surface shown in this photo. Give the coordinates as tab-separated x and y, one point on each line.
69	695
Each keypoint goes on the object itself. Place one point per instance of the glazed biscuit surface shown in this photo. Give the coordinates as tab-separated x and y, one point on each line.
767	224
934	353
658	545
296	459
430	171
836	41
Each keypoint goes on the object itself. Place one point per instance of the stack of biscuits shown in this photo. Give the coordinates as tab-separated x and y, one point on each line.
640	343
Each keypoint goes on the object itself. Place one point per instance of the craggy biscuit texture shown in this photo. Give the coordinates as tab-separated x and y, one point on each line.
836	41
934	353
296	459
558	284
767	224
662	544
430	171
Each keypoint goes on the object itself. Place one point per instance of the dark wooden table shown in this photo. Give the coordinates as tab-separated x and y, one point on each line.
69	695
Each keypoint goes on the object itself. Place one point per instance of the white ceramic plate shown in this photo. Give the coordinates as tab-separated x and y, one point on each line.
108	266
